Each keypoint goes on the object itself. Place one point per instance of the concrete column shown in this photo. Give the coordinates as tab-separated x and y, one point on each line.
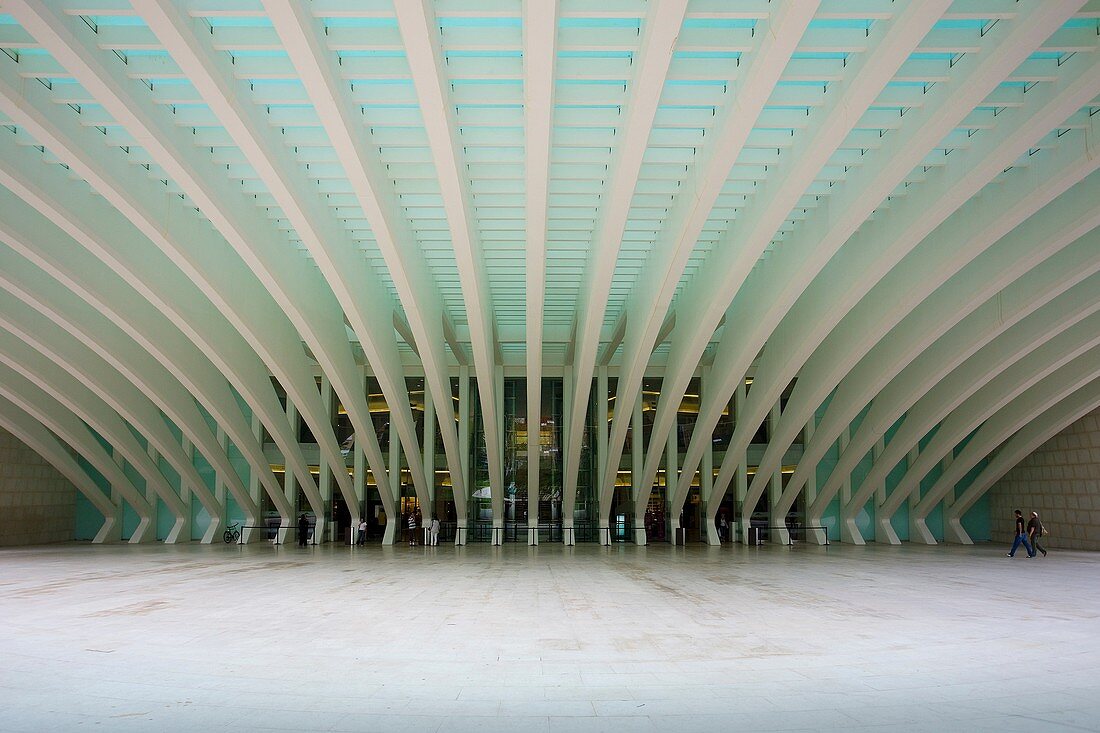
884	532
637	458
428	453
214	530
255	489
463	441
741	473
817	536
219	492
498	499
602	436
706	485
775	486
534	435
848	530
117	500
393	466
570	503
291	482
324	476
672	456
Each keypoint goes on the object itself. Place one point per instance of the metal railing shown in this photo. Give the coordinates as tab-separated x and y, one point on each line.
792	531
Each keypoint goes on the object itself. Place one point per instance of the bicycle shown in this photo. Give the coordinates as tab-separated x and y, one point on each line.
232	534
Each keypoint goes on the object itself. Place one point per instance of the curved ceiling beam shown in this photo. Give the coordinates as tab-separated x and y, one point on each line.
1067	359
834	290
775	286
988	334
1029	438
20	365
86	279
662	24
67	426
357	289
122	396
999	428
844	106
41	441
933	318
302	37
66	39
206	328
657	284
420	33
540	30
993	241
1056	275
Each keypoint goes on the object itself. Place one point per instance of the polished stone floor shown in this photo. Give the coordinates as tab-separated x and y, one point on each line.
489	639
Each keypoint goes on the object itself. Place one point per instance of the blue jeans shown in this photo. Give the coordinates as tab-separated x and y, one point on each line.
1021	539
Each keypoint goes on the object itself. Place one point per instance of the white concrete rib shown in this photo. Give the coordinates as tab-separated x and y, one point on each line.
35	435
419	32
50	129
81	276
899	267
656	286
1039	429
769	294
540	27
661	28
419	297
931	319
349	278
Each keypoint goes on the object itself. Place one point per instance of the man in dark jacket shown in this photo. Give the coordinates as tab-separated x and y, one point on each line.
1034	532
1021	537
303	530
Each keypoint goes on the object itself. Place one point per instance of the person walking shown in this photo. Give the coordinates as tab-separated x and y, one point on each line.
1034	532
434	528
1021	537
362	538
303	530
412	529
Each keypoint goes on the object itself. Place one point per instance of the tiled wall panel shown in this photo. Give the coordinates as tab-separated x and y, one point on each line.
1061	481
37	504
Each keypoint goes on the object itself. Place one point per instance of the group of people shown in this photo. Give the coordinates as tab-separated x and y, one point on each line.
1028	534
411	521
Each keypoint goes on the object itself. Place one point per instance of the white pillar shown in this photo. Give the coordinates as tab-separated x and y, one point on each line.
672	455
429	460
706	475
534	437
498	499
775	486
324	475
216	523
741	473
637	458
393	467
884	531
849	532
817	536
463	443
569	503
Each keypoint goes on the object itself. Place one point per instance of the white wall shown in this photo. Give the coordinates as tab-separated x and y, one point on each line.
37	504
1061	481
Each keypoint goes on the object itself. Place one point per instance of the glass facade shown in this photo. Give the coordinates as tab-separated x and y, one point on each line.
522	507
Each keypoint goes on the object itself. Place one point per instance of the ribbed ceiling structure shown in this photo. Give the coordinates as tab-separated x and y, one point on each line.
890	204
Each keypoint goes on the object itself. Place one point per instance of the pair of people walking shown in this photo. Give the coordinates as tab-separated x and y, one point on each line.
1028	534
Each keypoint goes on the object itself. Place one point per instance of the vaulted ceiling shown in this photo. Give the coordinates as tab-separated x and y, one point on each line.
894	202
